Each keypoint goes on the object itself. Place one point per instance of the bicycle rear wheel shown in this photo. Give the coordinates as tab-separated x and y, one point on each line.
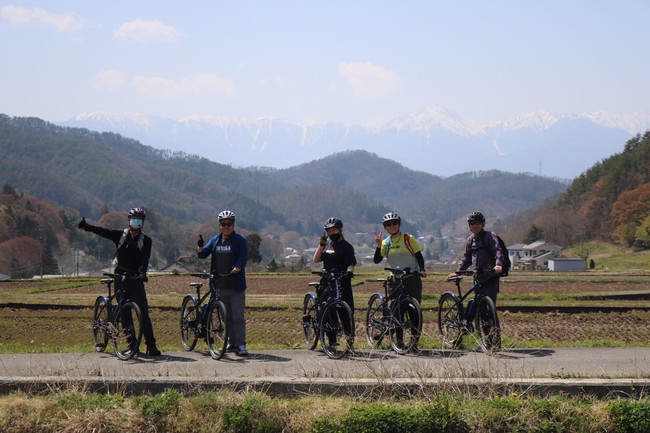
217	332
375	325
450	323
100	323
337	329
406	325
189	323
310	321
128	330
487	325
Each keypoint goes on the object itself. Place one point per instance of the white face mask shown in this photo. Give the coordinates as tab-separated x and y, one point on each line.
135	223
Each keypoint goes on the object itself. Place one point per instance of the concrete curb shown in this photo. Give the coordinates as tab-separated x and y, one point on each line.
292	387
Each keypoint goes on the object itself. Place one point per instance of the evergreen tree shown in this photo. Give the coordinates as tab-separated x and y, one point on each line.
534	233
254	242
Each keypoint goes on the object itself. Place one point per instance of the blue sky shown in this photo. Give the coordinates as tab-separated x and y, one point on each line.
348	61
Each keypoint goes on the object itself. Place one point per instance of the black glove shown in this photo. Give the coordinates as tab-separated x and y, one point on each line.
232	274
349	274
323	240
83	225
200	242
141	277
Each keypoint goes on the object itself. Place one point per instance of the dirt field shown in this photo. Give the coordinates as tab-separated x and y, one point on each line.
275	302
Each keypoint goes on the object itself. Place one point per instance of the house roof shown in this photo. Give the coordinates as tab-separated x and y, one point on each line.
535	246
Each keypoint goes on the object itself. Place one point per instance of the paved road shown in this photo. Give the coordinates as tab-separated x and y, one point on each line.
572	370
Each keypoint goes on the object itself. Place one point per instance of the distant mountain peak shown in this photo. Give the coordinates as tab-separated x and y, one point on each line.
434	117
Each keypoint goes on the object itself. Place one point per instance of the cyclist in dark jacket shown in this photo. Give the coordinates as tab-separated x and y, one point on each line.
229	252
483	253
132	258
337	254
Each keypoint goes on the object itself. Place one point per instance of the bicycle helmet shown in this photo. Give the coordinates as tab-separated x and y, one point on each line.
137	212
333	222
391	216
226	215
476	216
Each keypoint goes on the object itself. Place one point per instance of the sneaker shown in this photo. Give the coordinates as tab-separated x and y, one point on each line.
153	351
241	351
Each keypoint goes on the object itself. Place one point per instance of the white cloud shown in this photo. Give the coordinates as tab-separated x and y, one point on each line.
107	80
145	32
193	85
19	16
369	81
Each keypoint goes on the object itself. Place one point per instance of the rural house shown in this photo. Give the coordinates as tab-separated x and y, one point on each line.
533	257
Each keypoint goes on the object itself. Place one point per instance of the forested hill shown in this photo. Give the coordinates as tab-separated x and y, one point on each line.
610	202
94	173
612	198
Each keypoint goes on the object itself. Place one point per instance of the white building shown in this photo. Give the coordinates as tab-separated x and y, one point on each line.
535	256
567	264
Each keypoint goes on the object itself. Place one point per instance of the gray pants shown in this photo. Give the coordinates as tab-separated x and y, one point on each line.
235	301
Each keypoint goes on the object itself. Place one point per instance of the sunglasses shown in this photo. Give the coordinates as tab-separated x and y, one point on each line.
475	223
390	223
225	224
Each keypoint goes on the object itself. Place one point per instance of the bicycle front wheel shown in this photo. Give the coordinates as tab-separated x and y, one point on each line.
407	325
189	323
450	323
375	325
310	321
487	325
100	323
217	332
337	329
127	332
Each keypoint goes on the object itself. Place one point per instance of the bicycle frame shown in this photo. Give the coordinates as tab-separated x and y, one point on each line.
397	314
326	300
106	316
453	326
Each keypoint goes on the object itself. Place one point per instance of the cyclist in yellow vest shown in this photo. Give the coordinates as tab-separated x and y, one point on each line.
402	251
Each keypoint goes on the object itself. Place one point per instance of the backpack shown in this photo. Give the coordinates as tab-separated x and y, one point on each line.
507	264
140	243
407	242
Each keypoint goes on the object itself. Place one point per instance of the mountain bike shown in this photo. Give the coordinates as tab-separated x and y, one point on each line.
120	322
394	313
456	321
326	317
201	319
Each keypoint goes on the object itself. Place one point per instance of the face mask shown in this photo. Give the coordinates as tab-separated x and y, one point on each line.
135	223
335	237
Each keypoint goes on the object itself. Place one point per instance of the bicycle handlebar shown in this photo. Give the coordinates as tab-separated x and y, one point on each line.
125	275
205	275
403	273
334	274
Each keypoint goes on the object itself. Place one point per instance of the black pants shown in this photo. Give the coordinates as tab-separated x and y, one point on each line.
412	288
136	293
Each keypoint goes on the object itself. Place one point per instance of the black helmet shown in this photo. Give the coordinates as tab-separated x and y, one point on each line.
475	217
226	215
333	222
391	216
137	212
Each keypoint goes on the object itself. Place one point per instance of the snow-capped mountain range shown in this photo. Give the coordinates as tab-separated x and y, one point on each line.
436	140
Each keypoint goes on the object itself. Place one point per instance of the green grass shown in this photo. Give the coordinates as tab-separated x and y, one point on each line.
428	410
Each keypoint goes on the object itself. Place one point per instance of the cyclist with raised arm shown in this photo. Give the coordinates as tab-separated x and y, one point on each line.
401	251
484	254
337	254
132	259
229	252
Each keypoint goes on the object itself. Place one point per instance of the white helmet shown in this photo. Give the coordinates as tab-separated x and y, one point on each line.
226	215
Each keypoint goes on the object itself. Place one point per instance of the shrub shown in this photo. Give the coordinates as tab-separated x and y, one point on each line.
631	417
